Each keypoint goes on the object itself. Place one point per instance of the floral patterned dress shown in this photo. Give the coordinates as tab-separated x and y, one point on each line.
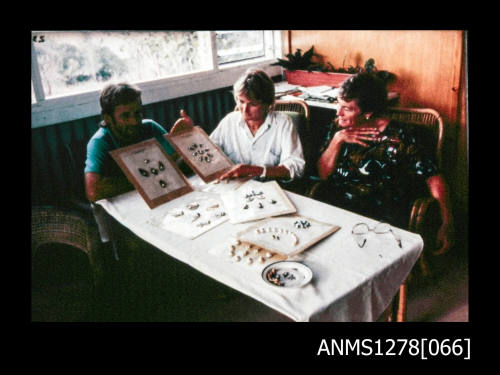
380	181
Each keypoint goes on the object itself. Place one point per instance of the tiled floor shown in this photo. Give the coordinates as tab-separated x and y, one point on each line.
167	290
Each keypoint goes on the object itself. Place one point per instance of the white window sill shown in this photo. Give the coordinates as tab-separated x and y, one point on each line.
68	108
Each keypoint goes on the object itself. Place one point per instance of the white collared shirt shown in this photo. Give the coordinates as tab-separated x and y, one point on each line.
276	142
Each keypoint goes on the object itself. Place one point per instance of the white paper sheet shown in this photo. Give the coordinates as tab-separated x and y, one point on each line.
256	200
191	215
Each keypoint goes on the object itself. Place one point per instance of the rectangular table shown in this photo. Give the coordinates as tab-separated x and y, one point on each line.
349	283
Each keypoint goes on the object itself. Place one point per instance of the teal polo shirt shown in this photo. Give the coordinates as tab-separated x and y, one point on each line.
100	161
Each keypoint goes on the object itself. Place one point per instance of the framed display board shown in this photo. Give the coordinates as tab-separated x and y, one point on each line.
152	172
200	153
287	235
256	200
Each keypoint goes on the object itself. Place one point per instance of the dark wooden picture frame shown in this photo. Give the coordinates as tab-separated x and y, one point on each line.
184	139
156	166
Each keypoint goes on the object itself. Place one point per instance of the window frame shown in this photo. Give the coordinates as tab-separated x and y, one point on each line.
64	108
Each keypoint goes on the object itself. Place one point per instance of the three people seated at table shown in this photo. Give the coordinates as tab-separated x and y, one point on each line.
373	166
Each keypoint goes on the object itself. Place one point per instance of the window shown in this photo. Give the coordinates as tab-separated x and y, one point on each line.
69	68
235	46
75	61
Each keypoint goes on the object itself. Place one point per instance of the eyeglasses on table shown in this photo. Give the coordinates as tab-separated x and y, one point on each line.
360	231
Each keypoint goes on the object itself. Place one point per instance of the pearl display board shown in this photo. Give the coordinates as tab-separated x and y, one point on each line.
286	235
200	153
256	200
243	254
191	215
152	172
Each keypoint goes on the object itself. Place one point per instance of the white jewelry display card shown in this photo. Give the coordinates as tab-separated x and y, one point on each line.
191	215
152	172
200	153
287	235
256	200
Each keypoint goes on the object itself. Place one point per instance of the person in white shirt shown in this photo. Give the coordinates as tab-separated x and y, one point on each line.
261	142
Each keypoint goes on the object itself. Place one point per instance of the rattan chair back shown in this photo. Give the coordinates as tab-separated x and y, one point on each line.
59	225
298	106
427	117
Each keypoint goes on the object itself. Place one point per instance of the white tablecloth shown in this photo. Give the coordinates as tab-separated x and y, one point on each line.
349	283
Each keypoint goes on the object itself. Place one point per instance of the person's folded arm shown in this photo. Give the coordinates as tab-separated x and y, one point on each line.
98	187
328	159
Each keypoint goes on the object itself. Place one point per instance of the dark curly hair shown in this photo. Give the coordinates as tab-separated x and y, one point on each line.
115	94
369	91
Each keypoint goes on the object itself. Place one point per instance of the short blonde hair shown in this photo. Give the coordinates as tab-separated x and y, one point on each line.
255	84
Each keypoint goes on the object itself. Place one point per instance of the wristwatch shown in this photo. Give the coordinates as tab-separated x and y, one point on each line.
263	172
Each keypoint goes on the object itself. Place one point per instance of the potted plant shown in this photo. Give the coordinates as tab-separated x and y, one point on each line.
301	69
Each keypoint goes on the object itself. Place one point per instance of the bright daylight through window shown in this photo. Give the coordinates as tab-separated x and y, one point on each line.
69	68
76	61
235	46
70	62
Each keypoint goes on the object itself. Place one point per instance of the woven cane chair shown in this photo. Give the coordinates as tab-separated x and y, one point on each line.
425	210
298	110
425	216
61	225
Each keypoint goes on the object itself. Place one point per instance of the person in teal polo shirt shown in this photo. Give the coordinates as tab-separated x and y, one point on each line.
122	125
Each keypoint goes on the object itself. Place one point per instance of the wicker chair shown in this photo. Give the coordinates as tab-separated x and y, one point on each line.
298	110
425	210
424	217
61	225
